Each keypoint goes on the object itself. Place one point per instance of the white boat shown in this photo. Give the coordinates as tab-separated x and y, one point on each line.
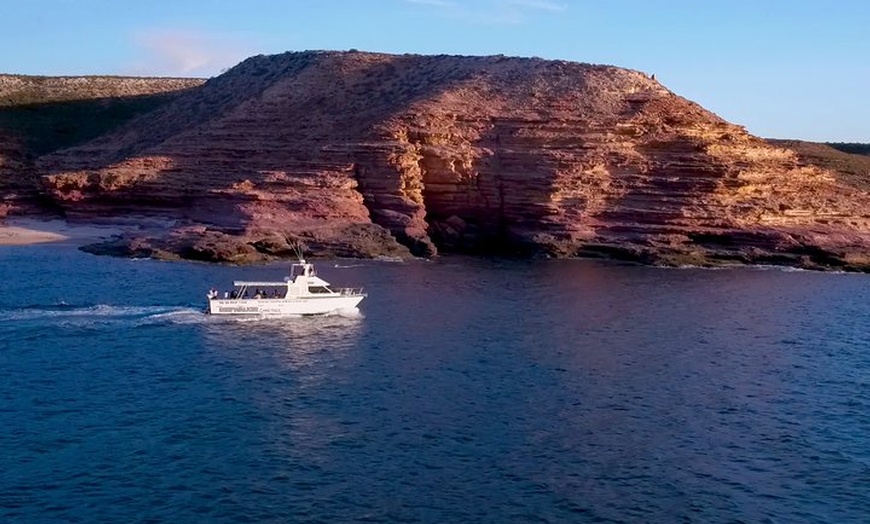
302	292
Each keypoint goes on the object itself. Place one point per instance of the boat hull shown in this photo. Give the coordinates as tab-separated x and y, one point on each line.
283	306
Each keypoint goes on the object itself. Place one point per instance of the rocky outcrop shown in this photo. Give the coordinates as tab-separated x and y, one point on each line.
382	154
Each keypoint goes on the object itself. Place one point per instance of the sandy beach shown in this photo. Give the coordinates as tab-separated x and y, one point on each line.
26	231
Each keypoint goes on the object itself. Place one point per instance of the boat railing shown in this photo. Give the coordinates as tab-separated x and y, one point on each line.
347	291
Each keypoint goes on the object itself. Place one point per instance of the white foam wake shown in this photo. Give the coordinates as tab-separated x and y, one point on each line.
136	316
60	313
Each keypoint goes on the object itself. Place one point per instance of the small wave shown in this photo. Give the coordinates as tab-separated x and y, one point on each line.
185	315
705	268
794	269
749	267
346	313
58	306
683	267
782	269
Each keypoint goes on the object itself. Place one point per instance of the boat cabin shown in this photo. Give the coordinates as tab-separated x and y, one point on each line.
301	282
301	292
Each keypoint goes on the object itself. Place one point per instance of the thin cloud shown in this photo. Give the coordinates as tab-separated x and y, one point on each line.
168	52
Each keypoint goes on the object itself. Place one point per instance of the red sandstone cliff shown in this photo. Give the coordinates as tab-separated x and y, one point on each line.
367	154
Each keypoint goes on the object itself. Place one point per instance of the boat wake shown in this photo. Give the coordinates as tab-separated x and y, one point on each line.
70	314
81	315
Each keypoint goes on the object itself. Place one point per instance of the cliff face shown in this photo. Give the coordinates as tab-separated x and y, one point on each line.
17	175
368	154
39	115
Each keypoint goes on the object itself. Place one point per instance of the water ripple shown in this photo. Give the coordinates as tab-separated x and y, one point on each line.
466	391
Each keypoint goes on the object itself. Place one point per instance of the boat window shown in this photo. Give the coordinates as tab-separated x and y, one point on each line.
318	289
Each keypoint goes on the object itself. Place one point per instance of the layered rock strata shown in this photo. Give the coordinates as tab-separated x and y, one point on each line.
368	154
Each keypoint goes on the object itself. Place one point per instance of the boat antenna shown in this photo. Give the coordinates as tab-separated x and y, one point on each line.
299	249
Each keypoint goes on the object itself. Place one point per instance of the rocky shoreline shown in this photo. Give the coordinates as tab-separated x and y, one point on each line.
128	240
125	240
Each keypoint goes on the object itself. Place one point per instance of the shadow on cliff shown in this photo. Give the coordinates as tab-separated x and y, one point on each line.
37	129
48	127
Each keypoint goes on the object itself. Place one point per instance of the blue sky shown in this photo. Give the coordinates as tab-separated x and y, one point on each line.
784	69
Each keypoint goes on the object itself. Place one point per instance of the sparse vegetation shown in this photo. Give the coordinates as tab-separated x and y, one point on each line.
851	147
853	169
47	127
50	113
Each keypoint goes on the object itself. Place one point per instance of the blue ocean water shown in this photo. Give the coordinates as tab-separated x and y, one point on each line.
466	390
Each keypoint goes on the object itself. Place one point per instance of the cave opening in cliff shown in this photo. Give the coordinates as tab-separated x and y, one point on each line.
465	221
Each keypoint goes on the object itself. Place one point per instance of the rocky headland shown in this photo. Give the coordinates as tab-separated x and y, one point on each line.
361	154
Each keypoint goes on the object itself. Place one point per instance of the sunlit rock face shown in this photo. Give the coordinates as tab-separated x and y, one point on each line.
364	154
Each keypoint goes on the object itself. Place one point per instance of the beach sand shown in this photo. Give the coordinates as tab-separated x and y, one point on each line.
26	231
